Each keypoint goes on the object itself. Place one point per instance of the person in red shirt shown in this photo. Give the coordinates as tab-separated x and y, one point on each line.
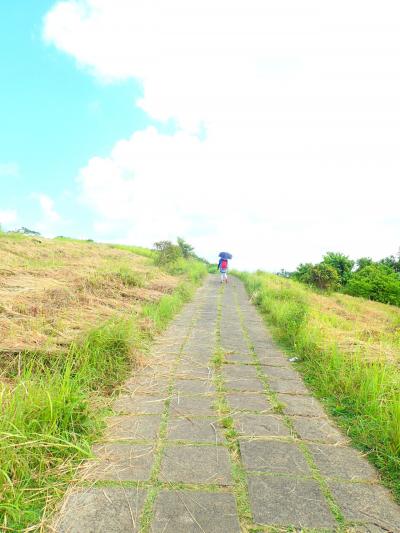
223	268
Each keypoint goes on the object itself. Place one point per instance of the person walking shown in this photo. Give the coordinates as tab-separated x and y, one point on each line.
223	268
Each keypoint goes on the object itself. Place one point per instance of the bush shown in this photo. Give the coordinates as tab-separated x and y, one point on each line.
341	263
375	282
166	252
322	276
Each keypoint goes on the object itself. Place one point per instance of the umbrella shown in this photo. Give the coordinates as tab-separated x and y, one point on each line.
225	255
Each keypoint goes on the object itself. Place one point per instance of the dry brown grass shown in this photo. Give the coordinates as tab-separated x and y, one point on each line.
358	325
52	291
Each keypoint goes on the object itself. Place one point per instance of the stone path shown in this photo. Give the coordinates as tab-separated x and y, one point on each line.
220	435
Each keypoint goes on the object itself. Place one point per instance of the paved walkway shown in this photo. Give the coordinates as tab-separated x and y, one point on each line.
220	435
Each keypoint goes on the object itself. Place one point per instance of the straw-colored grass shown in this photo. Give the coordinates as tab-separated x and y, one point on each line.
75	319
52	291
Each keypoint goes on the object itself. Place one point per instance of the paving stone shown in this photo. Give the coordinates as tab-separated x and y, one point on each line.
251	425
233	372
144	427
147	385
100	510
248	402
143	404
195	512
246	385
196	464
281	373
367	503
301	405
121	462
288	386
194	370
238	358
342	462
283	501
274	361
273	456
195	430
317	429
201	405
194	386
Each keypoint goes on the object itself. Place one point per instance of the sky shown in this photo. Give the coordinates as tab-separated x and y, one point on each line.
267	128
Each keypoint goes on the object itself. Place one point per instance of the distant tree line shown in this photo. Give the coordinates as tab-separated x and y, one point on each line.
374	280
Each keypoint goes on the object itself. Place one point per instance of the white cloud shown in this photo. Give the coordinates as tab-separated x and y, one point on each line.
9	170
47	206
8	216
300	106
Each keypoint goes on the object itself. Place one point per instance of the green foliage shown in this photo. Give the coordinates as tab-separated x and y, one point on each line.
392	262
186	249
50	414
321	276
341	263
166	252
362	394
376	282
363	262
27	231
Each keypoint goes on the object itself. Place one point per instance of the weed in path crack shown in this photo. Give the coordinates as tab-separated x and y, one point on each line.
278	408
238	474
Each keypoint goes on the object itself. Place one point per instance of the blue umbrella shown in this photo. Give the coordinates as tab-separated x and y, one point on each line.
225	255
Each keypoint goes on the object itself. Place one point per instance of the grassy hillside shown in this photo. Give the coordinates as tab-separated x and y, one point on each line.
350	355
75	318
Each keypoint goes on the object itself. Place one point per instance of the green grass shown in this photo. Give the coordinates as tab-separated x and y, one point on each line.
52	407
361	392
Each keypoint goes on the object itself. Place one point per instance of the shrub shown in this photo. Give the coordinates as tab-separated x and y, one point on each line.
341	263
166	252
375	282
322	276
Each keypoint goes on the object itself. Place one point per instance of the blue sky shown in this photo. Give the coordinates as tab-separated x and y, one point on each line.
269	129
54	118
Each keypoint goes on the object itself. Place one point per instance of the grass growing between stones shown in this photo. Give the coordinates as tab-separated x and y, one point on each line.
272	396
238	473
52	406
349	350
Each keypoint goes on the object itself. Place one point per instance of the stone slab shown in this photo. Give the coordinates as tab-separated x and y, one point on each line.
195	512
194	386
342	462
279	372
273	361
301	405
233	372
200	405
141	427
139	404
238	358
246	385
98	510
368	504
121	462
195	430
282	501
260	425
196	464
273	456
317	429
288	386
248	402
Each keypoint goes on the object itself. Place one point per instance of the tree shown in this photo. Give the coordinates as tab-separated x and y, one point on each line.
186	249
167	252
27	231
376	282
324	277
363	262
341	263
